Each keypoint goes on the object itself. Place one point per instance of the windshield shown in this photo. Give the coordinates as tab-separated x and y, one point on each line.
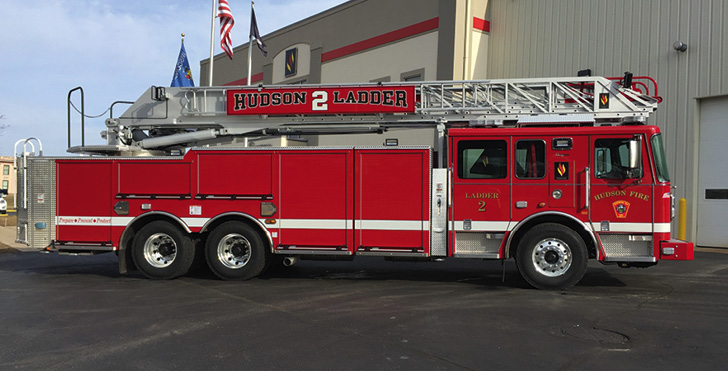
658	150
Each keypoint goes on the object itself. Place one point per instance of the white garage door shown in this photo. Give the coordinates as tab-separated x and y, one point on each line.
713	173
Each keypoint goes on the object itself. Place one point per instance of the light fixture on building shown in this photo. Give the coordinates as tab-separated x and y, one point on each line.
680	46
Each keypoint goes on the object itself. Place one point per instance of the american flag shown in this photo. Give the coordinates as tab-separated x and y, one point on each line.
226	24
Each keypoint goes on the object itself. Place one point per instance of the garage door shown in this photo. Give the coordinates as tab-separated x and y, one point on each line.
713	173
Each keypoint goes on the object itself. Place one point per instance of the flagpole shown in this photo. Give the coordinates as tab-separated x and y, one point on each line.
250	47
212	39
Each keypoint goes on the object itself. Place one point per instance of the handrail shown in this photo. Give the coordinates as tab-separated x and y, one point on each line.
25	165
83	116
111	109
636	84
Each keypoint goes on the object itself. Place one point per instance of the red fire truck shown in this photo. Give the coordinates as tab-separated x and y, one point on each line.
551	172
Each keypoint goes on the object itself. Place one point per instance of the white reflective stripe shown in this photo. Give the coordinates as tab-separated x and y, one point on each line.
97	221
115	221
343	224
336	224
121	221
477	225
634	227
314	223
393	225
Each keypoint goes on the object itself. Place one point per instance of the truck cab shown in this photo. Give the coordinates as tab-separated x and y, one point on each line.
553	197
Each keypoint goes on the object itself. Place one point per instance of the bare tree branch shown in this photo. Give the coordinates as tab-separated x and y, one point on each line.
3	126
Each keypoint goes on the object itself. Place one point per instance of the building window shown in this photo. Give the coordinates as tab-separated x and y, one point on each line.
530	159
381	79
6	169
482	159
414	75
5	184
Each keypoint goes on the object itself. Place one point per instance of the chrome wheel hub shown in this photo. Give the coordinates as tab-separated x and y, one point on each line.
551	257
160	250
234	251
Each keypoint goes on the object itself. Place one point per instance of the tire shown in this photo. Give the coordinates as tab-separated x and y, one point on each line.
162	251
234	251
551	256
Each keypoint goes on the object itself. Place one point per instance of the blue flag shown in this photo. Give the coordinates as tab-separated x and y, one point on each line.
182	73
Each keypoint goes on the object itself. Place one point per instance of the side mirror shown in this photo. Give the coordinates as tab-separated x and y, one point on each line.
635	158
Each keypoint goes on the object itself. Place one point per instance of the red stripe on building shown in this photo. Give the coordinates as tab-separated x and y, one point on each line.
481	24
382	39
244	81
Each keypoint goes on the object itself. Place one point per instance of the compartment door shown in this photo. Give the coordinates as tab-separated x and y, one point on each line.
84	202
316	200
392	202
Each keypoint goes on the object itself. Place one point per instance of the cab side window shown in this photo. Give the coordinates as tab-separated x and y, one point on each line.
611	158
482	159
530	159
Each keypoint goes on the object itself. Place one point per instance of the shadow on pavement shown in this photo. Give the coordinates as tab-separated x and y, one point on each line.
486	274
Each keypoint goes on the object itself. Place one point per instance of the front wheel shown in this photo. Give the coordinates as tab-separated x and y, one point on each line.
552	256
234	251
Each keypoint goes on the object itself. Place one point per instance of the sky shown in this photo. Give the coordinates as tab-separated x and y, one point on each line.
114	49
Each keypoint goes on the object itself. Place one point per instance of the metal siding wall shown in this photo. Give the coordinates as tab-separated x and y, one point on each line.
548	38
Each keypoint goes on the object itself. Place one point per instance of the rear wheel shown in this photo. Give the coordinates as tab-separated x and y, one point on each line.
551	256
162	251
234	251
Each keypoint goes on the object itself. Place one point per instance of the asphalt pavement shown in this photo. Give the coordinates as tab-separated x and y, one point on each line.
77	312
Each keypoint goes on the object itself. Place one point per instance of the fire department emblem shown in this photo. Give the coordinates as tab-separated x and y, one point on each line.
621	208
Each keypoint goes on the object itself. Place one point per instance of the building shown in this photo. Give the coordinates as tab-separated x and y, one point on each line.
7	179
682	44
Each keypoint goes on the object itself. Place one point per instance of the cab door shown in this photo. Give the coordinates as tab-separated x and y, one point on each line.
567	160
621	197
481	196
549	175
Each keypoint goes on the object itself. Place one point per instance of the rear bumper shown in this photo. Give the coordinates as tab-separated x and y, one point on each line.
676	250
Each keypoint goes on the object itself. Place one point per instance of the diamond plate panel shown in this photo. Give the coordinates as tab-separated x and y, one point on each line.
22	228
41	201
620	246
474	243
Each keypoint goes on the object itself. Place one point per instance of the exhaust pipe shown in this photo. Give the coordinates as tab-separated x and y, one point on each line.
289	261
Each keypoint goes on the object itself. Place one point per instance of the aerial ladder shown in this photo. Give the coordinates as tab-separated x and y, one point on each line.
168	120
